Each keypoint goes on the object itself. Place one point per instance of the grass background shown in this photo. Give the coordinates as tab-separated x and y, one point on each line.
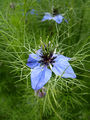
19	36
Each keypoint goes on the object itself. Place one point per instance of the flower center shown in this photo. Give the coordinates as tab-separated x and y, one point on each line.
55	11
47	58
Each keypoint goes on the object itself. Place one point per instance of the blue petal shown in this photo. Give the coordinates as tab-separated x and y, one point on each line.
58	18
38	52
61	57
32	11
47	16
39	77
33	60
62	67
66	21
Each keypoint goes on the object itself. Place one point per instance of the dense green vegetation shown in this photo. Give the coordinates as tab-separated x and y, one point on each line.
20	35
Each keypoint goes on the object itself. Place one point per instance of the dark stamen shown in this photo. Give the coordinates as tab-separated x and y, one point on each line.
47	58
55	11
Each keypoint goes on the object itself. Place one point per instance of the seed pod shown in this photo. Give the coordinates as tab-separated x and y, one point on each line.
12	5
40	93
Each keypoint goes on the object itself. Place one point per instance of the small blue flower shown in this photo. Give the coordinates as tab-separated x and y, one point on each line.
40	67
58	18
32	12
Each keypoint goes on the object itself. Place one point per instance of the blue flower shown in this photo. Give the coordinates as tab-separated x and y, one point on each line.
41	71
58	18
32	12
